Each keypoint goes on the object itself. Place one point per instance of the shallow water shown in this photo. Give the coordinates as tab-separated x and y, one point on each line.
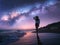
45	38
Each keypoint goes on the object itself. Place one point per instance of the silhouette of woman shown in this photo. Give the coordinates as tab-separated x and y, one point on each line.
37	22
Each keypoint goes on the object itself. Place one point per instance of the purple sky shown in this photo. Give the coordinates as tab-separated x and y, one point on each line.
17	15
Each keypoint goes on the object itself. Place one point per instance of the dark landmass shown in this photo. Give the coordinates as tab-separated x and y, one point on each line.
8	36
50	28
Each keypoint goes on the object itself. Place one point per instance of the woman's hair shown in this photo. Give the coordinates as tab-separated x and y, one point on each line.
37	17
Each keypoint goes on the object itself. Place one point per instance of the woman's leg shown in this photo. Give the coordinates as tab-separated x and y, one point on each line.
36	26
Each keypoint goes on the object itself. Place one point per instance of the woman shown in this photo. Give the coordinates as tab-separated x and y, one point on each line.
37	22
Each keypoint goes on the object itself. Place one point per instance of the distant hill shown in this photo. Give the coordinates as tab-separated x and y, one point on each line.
52	28
54	25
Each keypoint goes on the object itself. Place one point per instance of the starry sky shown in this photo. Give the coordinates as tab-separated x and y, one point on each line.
18	14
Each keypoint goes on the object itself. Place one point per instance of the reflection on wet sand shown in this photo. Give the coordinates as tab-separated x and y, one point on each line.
38	41
28	39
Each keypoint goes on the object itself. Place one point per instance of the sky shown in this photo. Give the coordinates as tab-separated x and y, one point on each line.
18	14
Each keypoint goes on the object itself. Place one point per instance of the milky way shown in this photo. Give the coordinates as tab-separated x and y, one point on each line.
18	14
